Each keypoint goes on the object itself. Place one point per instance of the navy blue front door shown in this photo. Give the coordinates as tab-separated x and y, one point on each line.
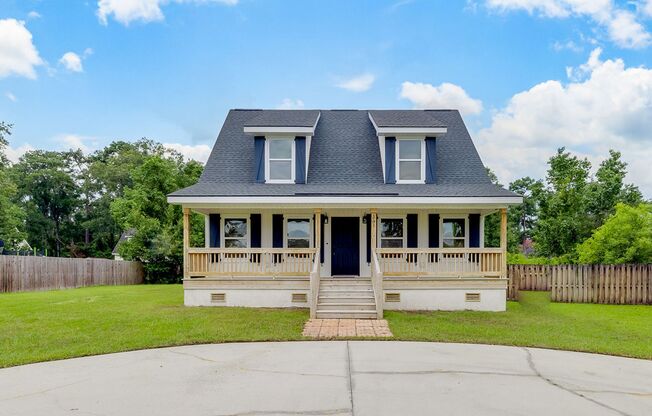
345	246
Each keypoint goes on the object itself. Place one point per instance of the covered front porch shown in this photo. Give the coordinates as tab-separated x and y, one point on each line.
413	258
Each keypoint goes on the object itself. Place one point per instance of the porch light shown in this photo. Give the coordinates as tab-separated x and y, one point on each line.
364	219
325	219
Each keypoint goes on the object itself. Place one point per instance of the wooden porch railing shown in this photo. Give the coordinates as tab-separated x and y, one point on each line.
314	285
271	262
441	262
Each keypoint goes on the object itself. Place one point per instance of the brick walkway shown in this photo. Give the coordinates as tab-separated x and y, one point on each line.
333	328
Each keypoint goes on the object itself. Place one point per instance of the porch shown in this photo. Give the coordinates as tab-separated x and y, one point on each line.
389	248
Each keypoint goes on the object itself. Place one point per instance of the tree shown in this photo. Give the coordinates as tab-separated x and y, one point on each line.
626	237
158	241
12	216
522	219
563	222
48	191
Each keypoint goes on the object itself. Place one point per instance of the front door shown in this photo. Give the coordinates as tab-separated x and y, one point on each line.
345	246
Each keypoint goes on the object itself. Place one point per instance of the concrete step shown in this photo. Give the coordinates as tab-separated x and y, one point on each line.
345	314
346	306
350	290
344	299
344	284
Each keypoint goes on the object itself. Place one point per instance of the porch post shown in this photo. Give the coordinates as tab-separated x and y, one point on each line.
374	218
318	233
503	241
186	240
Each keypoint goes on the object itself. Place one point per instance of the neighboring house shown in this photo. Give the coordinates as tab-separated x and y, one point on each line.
349	212
125	236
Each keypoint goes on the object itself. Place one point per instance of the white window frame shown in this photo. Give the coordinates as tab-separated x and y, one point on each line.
226	217
453	217
292	160
398	159
297	217
379	230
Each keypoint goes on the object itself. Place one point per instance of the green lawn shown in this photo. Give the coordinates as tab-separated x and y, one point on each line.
52	325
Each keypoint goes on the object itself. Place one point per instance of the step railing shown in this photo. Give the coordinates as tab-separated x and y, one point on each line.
314	285
377	284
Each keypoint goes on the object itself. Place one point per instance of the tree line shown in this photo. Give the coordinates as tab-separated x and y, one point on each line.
70	204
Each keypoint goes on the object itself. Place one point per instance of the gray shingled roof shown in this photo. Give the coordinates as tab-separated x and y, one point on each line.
283	118
405	118
344	160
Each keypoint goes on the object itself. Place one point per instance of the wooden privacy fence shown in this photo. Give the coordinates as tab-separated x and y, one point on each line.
21	273
530	276
616	284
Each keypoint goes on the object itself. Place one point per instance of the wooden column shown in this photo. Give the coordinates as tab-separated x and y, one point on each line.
374	224
318	232
186	240
503	240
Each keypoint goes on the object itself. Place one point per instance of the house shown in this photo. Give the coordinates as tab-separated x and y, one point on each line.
124	237
348	212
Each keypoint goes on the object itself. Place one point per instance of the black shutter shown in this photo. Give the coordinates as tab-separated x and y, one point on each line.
214	230
390	159
433	230
255	231
431	160
368	221
474	230
300	159
277	230
321	243
259	159
412	230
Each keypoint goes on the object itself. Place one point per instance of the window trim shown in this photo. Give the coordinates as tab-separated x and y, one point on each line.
398	159
379	236
223	220
268	160
464	217
287	218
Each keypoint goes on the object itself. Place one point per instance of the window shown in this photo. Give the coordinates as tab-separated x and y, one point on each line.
298	233
391	233
453	232
410	160
235	233
280	160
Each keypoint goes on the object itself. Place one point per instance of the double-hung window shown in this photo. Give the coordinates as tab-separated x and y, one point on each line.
391	233
235	233
410	163
298	233
280	160
453	232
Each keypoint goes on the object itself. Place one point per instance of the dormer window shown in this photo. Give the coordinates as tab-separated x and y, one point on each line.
410	164
280	160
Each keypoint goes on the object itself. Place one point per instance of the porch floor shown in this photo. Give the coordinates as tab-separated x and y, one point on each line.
334	328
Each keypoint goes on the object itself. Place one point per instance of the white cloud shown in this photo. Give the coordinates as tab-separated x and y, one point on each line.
11	96
359	83
290	104
199	152
14	153
18	55
621	25
86	144
610	109
445	95
72	62
33	15
126	11
646	8
568	45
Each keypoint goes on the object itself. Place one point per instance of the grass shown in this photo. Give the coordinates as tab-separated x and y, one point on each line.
534	321
42	326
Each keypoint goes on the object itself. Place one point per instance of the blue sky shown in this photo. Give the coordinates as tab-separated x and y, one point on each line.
528	75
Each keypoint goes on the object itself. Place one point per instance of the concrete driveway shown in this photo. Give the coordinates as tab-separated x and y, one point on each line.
332	378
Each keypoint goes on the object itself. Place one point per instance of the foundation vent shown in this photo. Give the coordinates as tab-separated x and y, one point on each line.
473	297
218	297
299	297
392	297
